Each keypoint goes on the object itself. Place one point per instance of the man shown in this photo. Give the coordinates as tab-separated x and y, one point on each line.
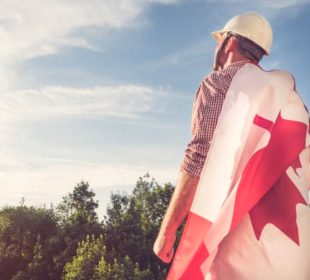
220	167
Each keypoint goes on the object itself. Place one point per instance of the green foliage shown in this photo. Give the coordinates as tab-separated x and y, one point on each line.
88	255
37	267
132	223
79	207
125	270
69	242
89	263
77	218
22	231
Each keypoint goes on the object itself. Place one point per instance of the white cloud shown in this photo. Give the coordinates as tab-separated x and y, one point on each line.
57	177
125	101
33	28
68	172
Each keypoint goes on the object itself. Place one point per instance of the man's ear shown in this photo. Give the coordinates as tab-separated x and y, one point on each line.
231	44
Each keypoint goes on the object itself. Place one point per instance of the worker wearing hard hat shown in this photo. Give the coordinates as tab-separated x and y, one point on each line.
245	38
241	44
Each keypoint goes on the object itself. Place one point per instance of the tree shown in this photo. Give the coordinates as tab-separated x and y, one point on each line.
71	243
129	230
79	207
88	255
132	223
22	231
77	218
125	270
89	263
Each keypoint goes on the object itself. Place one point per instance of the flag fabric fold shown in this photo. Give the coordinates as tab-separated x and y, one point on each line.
250	218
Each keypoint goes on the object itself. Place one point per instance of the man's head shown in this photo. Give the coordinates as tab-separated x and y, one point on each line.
245	37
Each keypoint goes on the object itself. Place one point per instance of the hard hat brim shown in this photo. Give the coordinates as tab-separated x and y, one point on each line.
217	35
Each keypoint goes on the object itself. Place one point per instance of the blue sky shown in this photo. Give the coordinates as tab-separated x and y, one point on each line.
102	91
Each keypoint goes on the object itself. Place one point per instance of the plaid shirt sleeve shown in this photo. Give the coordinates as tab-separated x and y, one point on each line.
207	107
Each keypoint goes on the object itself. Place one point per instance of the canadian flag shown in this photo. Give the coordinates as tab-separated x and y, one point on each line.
250	217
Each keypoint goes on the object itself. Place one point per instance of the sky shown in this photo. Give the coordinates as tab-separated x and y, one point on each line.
102	90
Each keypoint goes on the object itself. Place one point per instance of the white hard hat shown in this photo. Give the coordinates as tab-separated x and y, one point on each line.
251	26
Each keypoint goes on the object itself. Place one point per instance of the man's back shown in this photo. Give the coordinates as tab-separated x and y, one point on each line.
248	189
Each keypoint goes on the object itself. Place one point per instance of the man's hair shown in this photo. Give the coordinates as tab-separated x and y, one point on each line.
249	49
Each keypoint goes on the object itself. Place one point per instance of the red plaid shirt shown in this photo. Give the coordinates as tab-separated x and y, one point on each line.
206	111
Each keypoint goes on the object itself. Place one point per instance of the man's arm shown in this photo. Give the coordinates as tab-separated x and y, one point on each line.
177	211
191	167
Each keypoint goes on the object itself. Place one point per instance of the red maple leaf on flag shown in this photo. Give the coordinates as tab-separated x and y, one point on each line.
273	203
278	207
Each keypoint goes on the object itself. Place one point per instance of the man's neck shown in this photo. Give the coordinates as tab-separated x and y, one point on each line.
234	57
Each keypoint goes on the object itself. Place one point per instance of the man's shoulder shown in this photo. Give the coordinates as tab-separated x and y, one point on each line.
252	76
222	78
254	71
